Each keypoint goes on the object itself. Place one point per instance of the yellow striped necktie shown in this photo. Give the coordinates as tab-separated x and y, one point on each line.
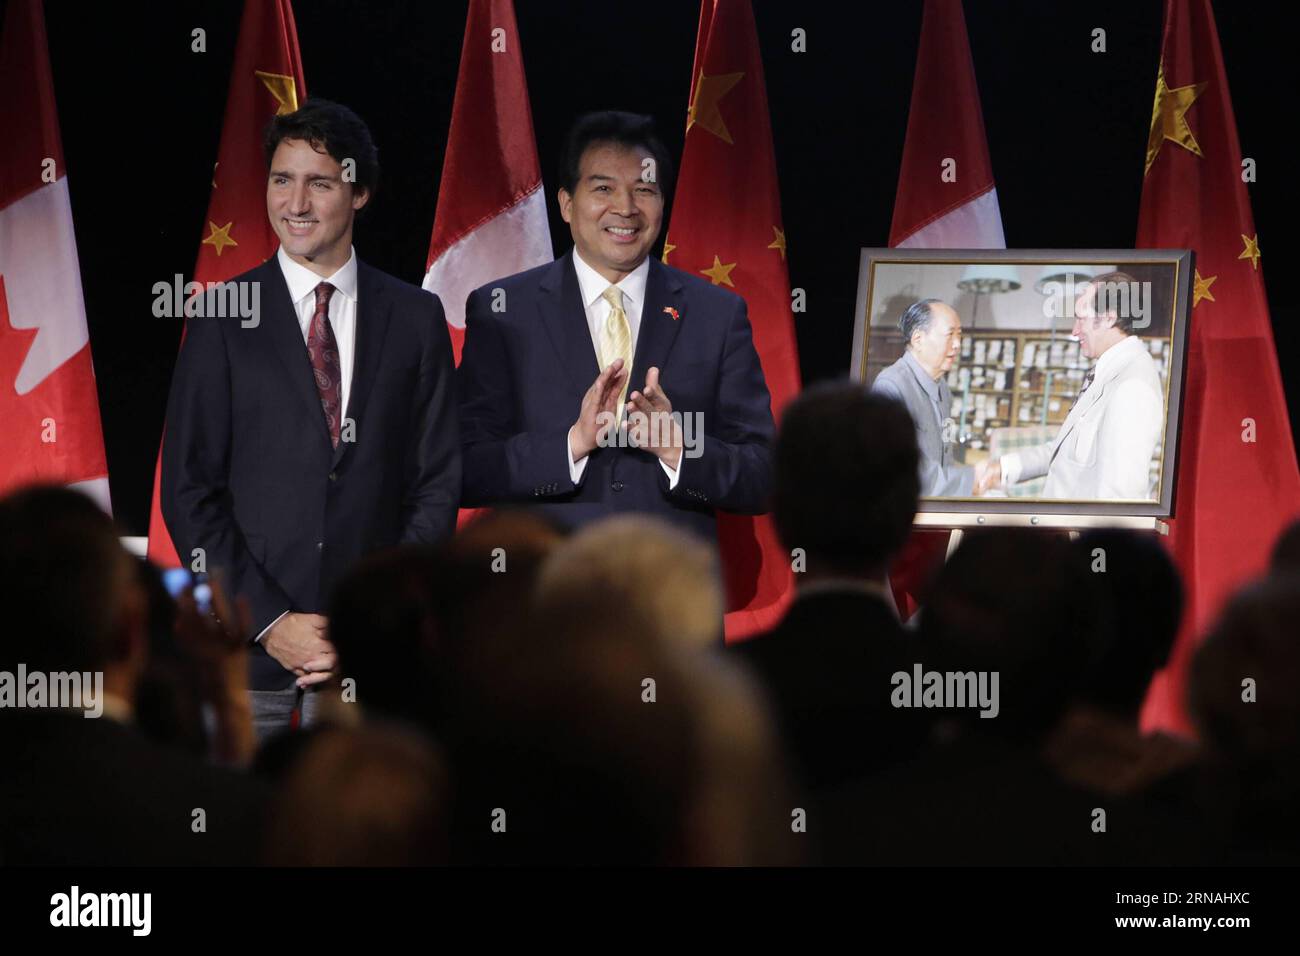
616	339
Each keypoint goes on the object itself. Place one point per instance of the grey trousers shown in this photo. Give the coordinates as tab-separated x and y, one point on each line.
273	710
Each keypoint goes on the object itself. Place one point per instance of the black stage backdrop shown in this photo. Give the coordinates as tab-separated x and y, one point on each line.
141	117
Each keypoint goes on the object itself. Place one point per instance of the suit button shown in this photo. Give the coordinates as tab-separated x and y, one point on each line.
320	545
334	476
617	486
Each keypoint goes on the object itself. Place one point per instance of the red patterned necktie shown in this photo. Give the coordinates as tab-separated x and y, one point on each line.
324	354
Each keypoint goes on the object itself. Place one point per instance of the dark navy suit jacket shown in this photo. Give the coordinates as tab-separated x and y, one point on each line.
524	372
248	470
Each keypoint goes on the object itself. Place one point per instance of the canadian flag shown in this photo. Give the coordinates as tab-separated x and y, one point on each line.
946	200
491	218
48	404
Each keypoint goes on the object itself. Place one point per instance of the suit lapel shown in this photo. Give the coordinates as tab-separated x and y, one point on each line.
565	320
1081	405
658	328
290	347
374	311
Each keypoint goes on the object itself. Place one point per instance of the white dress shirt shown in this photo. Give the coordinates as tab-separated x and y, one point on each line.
302	283
592	286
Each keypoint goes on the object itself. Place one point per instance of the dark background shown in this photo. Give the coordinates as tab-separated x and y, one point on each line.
141	118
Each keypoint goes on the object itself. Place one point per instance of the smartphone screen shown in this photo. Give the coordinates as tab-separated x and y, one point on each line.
177	580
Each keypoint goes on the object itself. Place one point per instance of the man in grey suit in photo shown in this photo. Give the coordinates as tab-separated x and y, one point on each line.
932	330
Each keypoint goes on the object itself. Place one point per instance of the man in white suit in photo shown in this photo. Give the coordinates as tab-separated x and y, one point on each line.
1104	447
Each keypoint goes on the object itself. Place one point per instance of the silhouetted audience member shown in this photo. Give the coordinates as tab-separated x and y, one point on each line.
660	574
375	795
1010	603
1245	699
80	789
600	740
1098	743
382	623
846	493
168	707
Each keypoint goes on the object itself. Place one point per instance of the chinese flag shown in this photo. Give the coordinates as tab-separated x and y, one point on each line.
48	402
1237	480
734	235
945	121
267	80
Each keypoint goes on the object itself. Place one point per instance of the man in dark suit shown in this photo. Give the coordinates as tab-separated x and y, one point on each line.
846	490
322	431
556	356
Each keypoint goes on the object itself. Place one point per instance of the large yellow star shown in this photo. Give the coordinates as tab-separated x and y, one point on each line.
778	242
282	88
668	247
709	90
1202	289
1169	117
1251	251
219	238
720	274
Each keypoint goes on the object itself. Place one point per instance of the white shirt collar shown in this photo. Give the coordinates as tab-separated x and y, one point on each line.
1117	355
302	281
593	285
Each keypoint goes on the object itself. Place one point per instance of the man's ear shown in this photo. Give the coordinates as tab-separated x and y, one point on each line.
565	199
360	196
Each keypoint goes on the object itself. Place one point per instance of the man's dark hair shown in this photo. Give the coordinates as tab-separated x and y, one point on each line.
631	130
846	477
916	318
1144	594
63	572
1019	602
332	128
1112	289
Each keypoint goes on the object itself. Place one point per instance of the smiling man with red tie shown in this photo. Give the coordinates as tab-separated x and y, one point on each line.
322	429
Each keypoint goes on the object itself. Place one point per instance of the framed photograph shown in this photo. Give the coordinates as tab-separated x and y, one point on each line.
1041	382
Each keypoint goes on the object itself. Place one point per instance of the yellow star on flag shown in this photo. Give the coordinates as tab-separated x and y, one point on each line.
709	90
282	88
1251	251
1202	288
778	242
720	274
1169	117
219	238
668	247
